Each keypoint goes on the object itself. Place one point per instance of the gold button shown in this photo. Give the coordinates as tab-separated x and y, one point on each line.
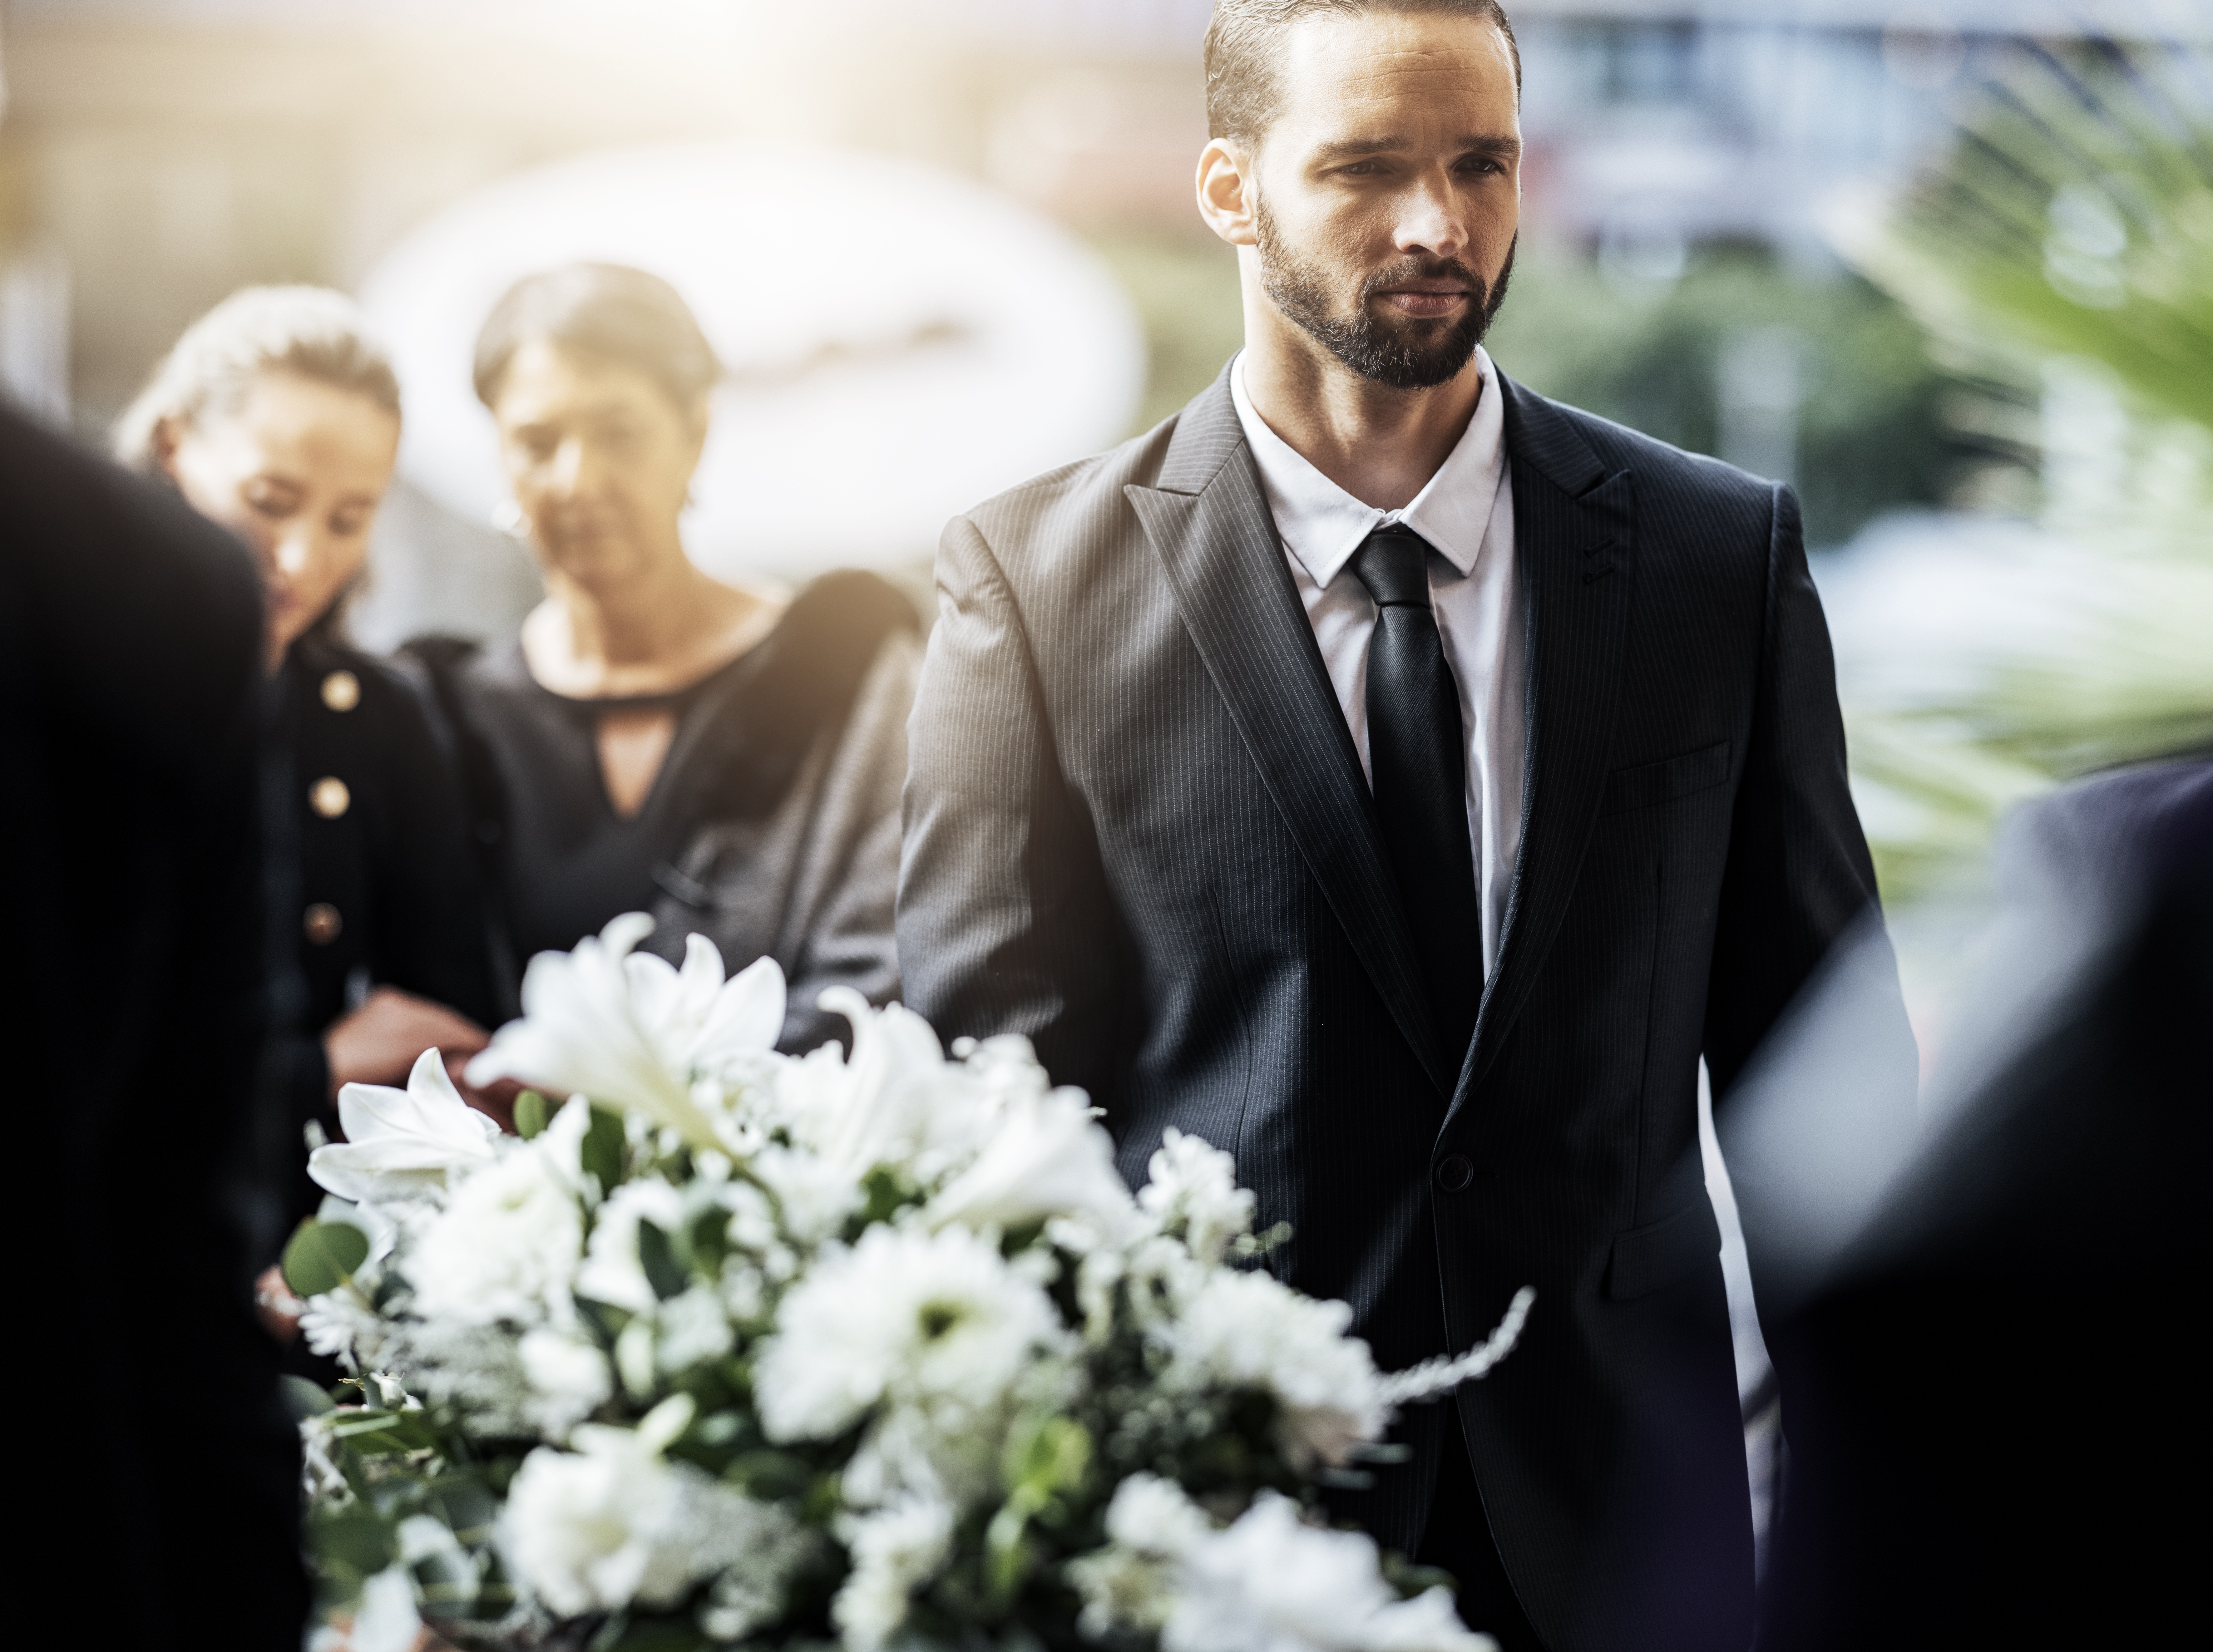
342	690
322	923
329	797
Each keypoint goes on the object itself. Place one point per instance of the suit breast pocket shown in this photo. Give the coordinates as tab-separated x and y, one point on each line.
1648	784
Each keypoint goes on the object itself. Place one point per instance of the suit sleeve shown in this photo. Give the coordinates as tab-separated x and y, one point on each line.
837	929
1004	921
1799	877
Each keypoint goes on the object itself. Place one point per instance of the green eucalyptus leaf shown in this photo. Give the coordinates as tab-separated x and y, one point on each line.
356	1540
530	1114
303	1398
322	1255
656	1255
603	1149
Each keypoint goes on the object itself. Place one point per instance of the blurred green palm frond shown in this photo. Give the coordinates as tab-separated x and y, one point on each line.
2062	245
2073	216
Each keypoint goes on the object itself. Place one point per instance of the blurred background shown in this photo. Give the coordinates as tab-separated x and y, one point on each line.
1946	269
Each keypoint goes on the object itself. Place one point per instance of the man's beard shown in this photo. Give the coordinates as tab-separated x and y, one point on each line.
1412	354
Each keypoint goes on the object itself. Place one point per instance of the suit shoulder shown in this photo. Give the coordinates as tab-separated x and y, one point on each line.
1667	477
1056	507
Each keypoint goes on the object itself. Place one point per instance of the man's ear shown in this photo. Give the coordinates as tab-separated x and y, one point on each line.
1227	197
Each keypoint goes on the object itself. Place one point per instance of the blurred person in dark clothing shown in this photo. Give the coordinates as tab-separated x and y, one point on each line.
153	1474
656	739
275	416
1990	1434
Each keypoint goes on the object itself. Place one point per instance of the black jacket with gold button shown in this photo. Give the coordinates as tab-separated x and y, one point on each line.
388	890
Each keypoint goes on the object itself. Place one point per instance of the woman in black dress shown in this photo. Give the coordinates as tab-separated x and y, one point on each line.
655	740
275	417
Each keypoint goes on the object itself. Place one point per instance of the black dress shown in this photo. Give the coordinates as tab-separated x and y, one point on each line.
388	894
772	828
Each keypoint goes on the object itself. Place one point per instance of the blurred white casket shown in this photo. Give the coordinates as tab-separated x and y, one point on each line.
899	342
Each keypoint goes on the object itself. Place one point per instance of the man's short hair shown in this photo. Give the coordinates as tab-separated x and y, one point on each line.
1245	46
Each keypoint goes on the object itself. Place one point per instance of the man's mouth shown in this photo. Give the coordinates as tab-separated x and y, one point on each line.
1424	300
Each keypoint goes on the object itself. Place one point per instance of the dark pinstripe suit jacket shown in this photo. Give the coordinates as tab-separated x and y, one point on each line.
1137	830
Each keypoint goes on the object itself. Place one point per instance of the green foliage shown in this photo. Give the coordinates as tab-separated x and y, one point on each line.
2073	216
603	1150
1185	291
2065	236
322	1256
530	1114
1870	433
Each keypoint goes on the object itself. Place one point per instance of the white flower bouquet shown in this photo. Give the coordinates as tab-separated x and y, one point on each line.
735	1348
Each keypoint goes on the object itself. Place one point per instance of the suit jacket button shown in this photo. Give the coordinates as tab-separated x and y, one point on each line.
329	797
321	922
342	690
1454	1172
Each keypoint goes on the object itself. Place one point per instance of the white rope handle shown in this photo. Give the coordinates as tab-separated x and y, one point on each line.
1440	1375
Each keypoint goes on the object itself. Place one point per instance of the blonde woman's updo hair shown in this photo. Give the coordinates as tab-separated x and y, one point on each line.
314	332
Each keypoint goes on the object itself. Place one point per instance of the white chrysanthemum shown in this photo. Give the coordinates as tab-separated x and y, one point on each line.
1151	1525
1047	1157
894	1551
506	1247
1269	1584
1248	1330
1274	1583
905	1315
626	1029
473	1369
339	1324
813	1195
1193	1190
404	1144
613	1522
568	1379
611	1272
694	1327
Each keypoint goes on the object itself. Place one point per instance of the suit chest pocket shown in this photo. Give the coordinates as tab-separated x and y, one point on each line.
1671	777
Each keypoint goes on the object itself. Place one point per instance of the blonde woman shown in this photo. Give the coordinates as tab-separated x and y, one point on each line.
276	416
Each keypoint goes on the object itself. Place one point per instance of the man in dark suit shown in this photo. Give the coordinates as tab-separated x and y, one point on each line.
1400	780
154	1473
1982	1450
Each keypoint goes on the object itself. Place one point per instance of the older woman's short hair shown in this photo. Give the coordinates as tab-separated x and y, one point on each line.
312	331
626	316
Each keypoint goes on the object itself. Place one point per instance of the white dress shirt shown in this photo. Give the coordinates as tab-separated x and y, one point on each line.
1465	511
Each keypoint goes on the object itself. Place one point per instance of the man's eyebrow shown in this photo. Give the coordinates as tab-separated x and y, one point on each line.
1502	144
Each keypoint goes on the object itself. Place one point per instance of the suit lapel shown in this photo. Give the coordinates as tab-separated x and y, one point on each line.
1574	532
1209	523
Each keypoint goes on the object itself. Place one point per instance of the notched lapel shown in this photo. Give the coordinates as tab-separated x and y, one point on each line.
1574	536
1209	523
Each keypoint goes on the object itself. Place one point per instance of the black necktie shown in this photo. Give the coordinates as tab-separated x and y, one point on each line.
1418	763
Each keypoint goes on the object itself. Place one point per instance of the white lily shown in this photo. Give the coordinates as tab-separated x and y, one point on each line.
403	1144
628	1030
1048	1157
896	1101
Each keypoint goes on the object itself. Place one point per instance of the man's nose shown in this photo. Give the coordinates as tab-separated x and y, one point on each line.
1430	218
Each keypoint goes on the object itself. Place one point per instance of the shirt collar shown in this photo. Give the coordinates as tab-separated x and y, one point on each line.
1322	524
